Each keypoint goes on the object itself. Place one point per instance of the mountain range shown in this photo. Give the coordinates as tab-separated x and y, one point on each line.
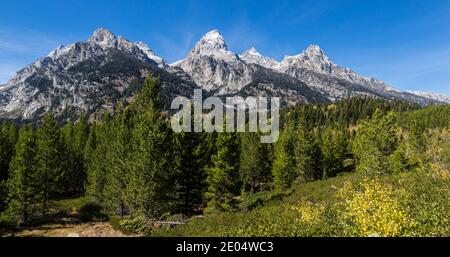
86	77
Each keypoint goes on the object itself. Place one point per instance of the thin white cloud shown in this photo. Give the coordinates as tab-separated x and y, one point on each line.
174	49
242	36
21	46
424	68
7	71
26	41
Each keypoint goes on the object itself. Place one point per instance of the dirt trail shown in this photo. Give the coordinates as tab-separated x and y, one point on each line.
91	229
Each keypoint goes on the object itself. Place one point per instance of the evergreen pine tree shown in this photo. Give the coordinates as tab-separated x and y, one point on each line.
89	149
117	158
375	141
151	184
8	138
333	148
304	151
51	159
96	155
192	153
398	159
417	133
79	172
23	190
283	170
223	176
255	162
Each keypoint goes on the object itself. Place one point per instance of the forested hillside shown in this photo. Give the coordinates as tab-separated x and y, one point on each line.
358	167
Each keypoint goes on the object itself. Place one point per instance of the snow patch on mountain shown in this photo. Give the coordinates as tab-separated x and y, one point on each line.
444	98
150	54
213	44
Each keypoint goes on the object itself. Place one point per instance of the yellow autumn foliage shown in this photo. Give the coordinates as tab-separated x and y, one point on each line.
378	209
309	212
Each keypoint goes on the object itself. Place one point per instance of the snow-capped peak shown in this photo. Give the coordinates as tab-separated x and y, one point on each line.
211	41
253	56
314	50
213	38
213	44
252	51
104	38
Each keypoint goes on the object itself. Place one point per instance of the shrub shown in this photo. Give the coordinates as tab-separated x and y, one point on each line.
137	225
92	211
378	209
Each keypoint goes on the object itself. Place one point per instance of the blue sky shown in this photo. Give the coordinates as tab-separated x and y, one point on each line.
404	43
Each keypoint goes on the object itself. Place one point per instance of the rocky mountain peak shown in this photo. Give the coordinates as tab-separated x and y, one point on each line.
252	51
213	39
253	56
312	54
103	38
313	58
213	67
212	44
314	50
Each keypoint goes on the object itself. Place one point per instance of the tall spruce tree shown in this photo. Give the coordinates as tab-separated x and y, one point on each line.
117	159
417	133
223	176
192	153
23	183
8	139
255	162
333	149
51	159
376	140
151	184
95	154
283	170
79	169
304	150
88	151
67	183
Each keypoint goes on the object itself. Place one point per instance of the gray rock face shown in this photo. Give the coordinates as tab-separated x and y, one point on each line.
315	69
254	57
84	77
214	68
223	73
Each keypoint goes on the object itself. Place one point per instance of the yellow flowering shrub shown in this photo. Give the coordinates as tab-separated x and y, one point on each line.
309	212
378	210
